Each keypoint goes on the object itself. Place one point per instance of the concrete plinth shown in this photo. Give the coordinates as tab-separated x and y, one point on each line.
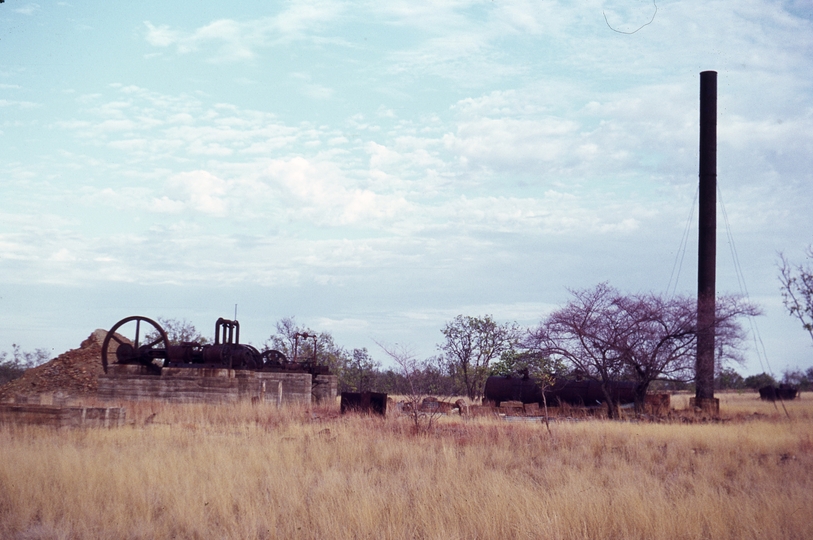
199	385
56	416
707	405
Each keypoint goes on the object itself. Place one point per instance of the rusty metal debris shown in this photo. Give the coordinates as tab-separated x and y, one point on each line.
364	402
148	346
784	392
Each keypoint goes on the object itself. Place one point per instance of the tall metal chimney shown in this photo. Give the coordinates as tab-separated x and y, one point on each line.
707	240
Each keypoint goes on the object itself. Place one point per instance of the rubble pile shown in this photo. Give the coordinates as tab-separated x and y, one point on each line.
71	374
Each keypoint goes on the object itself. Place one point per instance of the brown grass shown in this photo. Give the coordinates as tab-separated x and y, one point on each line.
206	471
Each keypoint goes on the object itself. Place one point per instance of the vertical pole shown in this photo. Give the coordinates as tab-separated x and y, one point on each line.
707	237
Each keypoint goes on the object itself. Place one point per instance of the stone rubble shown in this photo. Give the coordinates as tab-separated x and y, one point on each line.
70	375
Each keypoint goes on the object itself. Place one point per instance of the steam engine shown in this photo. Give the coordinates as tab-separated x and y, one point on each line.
151	348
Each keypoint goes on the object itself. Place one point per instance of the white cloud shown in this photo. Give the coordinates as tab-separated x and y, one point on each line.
341	325
63	255
320	192
202	191
165	205
317	91
18	104
28	9
239	40
553	214
161	36
507	141
476	156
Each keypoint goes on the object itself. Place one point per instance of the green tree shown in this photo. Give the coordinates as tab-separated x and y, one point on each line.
538	365
729	379
359	373
758	381
179	331
471	344
290	340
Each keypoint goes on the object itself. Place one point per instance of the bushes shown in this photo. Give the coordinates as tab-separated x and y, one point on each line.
14	367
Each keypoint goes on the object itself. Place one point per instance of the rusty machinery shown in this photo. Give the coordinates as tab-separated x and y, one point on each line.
141	341
582	392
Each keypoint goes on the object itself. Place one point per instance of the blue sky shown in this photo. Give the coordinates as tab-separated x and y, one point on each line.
376	168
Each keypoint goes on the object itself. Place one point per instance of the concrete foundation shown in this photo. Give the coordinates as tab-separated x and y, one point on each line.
707	405
198	385
325	388
57	416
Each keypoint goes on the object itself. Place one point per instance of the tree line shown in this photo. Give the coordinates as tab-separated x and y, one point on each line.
599	333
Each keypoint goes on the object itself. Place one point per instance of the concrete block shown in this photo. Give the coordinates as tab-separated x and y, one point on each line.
56	416
706	405
196	385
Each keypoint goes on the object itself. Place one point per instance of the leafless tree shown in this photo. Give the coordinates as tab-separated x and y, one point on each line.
586	333
797	289
663	342
14	367
411	369
609	337
471	344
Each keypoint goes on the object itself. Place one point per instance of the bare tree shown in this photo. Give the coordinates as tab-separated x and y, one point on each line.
797	289
799	379
411	369
609	337
471	344
663	342
730	336
14	367
586	333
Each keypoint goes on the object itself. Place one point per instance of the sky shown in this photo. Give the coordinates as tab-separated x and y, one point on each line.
374	169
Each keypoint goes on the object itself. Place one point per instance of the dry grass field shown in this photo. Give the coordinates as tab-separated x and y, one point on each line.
206	471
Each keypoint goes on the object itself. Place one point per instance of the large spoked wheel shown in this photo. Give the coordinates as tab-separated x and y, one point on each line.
274	358
253	360
134	340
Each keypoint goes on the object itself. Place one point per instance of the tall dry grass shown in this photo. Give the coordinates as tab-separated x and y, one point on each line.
247	471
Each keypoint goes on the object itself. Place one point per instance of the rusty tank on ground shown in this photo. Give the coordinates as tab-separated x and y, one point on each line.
784	392
583	393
